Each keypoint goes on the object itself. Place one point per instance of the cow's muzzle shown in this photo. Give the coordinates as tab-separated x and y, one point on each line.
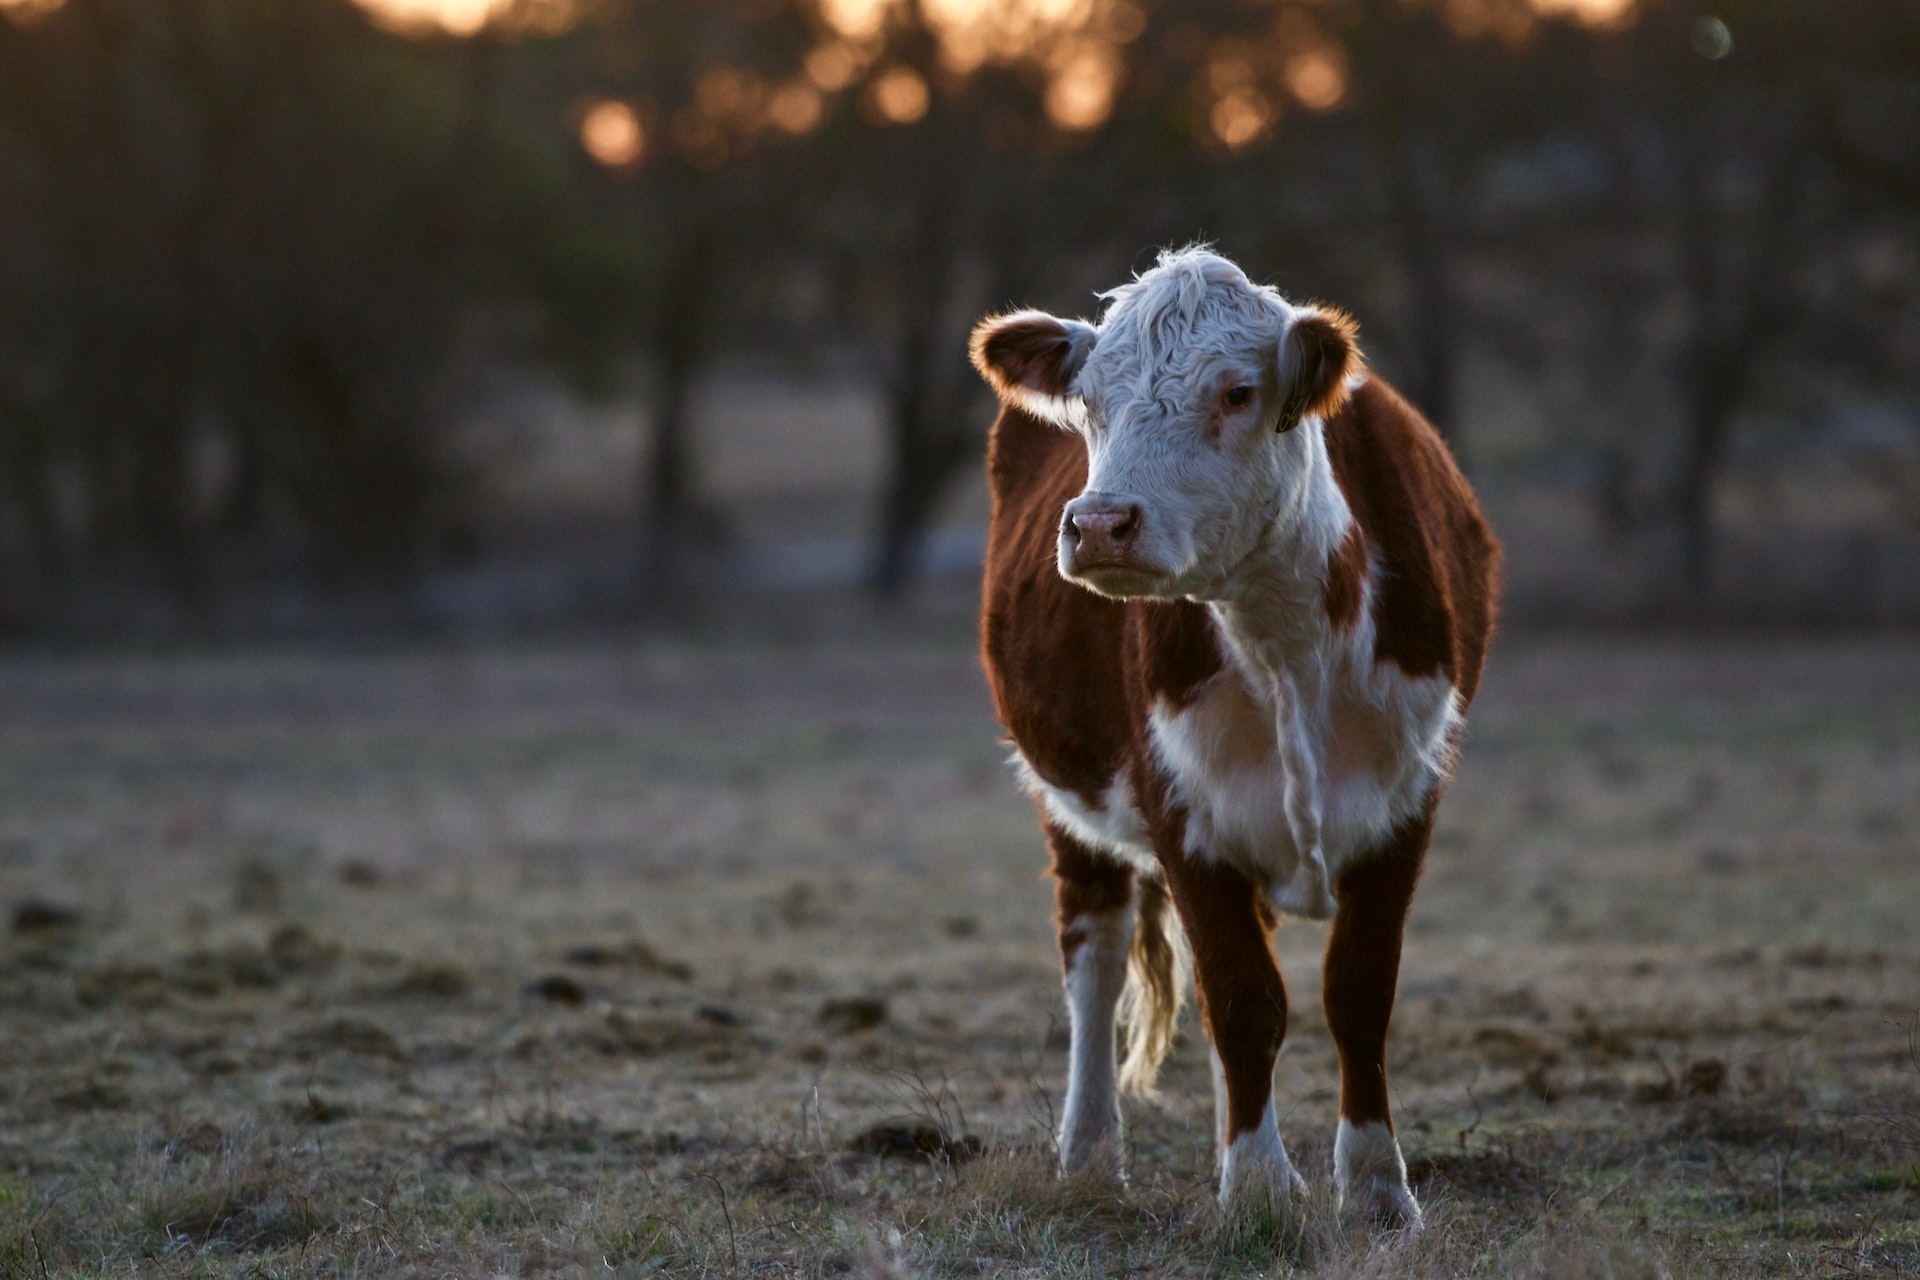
1100	542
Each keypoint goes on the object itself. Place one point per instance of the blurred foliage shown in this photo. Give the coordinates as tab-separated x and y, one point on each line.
250	248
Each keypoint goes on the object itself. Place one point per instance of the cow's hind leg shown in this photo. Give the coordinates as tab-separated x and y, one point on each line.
1361	971
1244	1005
1094	894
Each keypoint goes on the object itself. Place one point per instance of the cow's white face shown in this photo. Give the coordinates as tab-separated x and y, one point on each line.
1188	394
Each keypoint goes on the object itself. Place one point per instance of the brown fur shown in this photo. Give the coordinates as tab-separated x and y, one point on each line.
1327	351
1346	581
1085	884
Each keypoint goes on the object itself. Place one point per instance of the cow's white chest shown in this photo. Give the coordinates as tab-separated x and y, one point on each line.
1384	740
1387	739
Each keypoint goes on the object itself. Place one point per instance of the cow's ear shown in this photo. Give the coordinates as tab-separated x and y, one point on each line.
1031	358
1321	352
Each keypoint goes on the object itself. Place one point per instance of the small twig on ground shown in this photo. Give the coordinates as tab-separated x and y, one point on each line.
733	1241
1478	1114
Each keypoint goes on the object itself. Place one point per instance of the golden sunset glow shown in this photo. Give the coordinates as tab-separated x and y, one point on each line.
612	134
1598	14
461	17
971	31
856	19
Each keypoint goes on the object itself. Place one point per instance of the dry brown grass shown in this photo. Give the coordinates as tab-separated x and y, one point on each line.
738	963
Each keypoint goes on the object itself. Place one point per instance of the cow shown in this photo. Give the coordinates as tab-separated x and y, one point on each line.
1237	598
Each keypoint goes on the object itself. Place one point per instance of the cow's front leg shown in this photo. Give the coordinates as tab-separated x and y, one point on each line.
1243	1004
1361	970
1095	899
1308	892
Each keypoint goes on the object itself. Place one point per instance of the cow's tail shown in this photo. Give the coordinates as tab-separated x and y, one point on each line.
1158	968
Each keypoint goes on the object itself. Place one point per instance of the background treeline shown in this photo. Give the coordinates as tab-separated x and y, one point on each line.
259	257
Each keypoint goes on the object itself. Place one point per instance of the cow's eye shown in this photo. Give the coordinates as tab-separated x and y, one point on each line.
1239	397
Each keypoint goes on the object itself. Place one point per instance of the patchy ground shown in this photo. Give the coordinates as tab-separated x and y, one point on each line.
737	961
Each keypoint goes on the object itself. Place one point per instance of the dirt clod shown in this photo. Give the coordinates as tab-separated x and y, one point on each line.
633	954
353	1035
442	981
560	989
256	888
719	1015
915	1139
1704	1077
850	1014
357	874
297	949
35	915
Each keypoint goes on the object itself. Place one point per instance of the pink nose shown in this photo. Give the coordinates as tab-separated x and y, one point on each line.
1101	533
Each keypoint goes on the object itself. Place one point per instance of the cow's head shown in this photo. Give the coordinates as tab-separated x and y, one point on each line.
1188	393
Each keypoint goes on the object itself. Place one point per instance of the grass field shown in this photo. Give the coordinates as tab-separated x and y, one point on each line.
736	960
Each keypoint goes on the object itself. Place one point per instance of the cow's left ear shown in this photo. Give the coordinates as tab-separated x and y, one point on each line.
1030	358
1321	351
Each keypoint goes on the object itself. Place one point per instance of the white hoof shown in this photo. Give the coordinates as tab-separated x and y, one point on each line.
1372	1176
1254	1168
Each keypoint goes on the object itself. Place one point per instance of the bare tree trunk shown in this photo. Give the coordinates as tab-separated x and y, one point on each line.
667	480
1419	183
1736	307
928	440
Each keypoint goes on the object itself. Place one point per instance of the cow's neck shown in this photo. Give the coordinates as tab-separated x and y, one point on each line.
1272	610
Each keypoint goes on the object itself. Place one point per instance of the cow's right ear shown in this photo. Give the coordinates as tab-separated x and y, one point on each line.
1031	358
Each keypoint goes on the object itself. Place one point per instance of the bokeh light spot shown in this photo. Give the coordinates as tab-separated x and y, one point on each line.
1080	95
855	19
795	108
611	133
1239	118
1317	79
29	10
461	17
832	66
1711	38
1599	15
900	96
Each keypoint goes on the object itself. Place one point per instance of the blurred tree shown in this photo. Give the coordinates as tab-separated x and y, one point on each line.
689	115
242	239
942	181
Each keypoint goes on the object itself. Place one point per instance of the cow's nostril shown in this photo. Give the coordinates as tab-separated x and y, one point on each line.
1070	528
1128	524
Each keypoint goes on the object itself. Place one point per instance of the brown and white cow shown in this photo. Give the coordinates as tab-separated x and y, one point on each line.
1237	599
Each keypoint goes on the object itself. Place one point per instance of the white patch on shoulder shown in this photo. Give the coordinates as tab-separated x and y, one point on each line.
1371	1175
1113	826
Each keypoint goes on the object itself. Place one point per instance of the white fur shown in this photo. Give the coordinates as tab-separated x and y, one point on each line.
1207	480
1304	746
1371	1174
1114	826
1255	1164
1090	1119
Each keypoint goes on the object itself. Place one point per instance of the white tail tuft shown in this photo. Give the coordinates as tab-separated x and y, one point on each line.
1159	967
